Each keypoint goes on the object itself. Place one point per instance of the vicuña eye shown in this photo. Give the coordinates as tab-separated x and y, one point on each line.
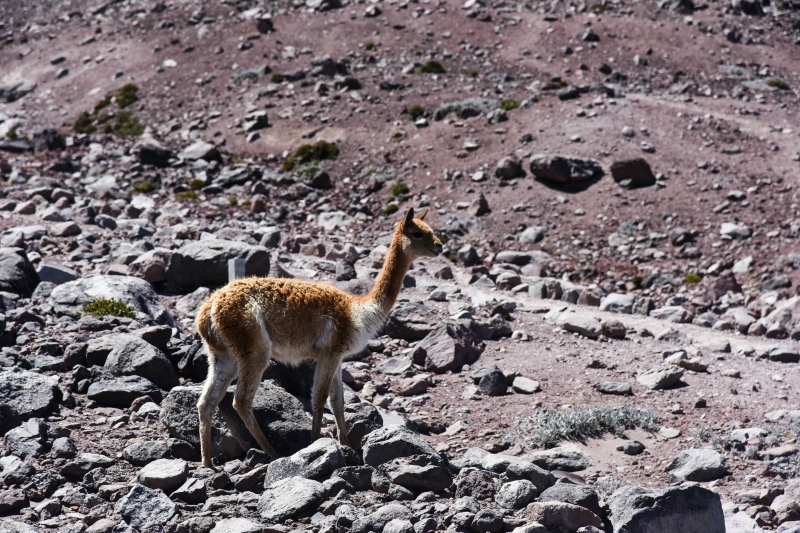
416	235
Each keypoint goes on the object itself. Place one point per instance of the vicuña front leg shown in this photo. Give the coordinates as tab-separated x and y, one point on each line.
252	368
336	398
326	369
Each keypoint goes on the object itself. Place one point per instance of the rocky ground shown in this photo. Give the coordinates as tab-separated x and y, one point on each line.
607	343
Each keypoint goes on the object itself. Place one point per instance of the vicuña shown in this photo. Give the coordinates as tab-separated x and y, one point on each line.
251	320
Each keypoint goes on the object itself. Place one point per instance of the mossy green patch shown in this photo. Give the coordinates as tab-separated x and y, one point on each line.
277	78
143	187
509	103
778	84
128	125
400	188
108	307
693	278
319	151
416	111
187	195
432	67
85	124
389	209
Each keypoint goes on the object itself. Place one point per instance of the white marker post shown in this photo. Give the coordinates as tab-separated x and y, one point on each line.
235	269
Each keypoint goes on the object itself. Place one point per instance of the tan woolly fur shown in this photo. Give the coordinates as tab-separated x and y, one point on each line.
252	320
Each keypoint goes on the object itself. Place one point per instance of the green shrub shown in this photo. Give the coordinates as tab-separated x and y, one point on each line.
143	187
84	124
126	95
318	151
432	67
108	307
509	103
693	278
637	280
555	85
197	185
105	102
128	125
108	128
277	78
234	202
778	84
247	203
399	188
102	118
389	209
187	195
453	258
599	8
370	46
416	111
12	135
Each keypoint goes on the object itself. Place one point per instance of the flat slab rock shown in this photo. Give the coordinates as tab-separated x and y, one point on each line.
560	517
685	509
568	458
287	497
698	464
29	393
660	377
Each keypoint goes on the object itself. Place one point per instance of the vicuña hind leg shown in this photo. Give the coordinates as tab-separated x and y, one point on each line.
221	371
336	398
327	365
252	366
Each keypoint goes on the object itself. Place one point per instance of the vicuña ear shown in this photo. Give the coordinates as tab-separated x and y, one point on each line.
422	216
409	217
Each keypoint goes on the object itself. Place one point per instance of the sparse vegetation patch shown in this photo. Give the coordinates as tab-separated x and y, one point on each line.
432	67
108	307
318	151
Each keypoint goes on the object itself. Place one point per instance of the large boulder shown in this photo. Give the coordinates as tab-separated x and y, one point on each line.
164	474
564	170
72	296
120	392
144	509
279	414
28	393
632	173
132	355
580	495
17	274
287	497
410	321
569	458
684	509
317	461
698	464
205	263
448	347
391	442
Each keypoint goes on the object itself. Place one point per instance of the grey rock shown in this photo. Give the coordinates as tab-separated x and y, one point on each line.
494	328
419	473
121	392
564	170
377	520
391	442
85	463
469	107
398	525
476	483
448	347
144	509
55	273
615	387
567	458
559	517
632	173
509	168
581	495
63	448
237	525
493	382
143	453
516	494
28	393
287	497
362	418
590	297
660	377
698	464
783	353
17	274
27	440
317	461
617	303
189	304
684	509
359	477
200	150
132	355
487	521
205	263
70	297
410	321
673	313
164	474
585	325
532	234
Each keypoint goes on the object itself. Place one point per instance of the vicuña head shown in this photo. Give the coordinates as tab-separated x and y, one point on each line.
252	320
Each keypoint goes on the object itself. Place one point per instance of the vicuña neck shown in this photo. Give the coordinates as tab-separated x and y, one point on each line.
390	280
